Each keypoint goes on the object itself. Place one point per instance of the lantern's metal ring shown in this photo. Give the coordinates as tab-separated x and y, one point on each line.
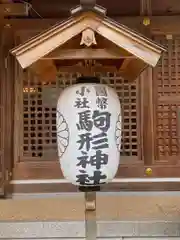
62	134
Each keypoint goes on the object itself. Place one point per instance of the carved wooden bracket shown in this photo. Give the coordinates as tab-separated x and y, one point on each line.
88	38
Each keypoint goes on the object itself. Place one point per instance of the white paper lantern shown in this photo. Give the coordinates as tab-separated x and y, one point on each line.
89	133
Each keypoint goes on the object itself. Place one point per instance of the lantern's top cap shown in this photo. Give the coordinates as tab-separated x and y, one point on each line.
87	79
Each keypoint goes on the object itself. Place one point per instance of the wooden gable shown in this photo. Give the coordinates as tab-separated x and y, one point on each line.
121	42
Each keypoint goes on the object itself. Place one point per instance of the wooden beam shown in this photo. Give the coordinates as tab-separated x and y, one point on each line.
45	70
132	68
125	64
87	71
28	170
159	24
86	53
13	9
146	11
6	1
7	94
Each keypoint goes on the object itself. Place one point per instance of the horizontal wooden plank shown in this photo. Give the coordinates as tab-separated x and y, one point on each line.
159	24
169	99
87	53
51	170
36	161
6	1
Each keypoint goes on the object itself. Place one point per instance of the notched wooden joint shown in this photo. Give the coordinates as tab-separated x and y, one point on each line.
90	205
90	201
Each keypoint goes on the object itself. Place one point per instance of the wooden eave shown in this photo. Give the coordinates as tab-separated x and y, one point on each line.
44	43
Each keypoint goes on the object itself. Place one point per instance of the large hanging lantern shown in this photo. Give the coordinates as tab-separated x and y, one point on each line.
88	133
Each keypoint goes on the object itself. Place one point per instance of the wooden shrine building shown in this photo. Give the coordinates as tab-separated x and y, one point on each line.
134	48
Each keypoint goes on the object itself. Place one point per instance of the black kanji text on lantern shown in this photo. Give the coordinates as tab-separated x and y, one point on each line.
84	179
101	120
88	119
97	160
91	144
85	122
102	102
81	103
98	141
100	90
101	97
82	91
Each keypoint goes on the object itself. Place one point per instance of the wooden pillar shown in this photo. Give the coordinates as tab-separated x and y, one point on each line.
146	85
146	12
147	116
7	76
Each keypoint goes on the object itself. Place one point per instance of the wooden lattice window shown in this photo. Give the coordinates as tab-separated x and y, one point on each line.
167	78
39	119
127	93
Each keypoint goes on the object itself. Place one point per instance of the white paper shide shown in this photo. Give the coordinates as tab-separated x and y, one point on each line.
89	133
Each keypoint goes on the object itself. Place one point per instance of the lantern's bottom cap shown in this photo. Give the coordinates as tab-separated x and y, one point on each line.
89	189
